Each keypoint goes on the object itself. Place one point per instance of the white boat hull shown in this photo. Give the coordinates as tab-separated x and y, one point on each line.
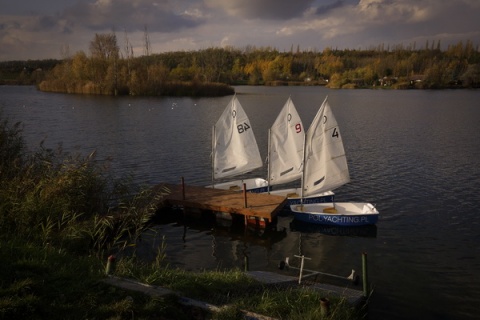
252	185
293	196
345	213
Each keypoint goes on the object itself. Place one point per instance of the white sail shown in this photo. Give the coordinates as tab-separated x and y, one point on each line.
325	161
285	157
235	150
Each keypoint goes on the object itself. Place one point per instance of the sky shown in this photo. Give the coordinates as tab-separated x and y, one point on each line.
54	29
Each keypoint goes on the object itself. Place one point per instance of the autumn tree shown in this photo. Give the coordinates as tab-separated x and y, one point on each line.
328	63
471	77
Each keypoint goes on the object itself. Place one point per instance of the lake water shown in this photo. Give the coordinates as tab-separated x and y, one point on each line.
415	154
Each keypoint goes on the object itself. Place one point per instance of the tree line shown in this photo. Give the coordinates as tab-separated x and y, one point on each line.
109	70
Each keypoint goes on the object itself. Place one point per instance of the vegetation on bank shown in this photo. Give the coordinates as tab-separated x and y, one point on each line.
38	282
109	70
30	72
62	215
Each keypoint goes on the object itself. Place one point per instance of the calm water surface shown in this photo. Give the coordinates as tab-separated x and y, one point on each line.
415	154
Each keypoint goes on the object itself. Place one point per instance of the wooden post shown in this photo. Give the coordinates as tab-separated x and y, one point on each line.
245	194
110	265
324	307
183	188
365	274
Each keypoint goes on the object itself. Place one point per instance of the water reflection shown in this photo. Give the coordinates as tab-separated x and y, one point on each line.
208	241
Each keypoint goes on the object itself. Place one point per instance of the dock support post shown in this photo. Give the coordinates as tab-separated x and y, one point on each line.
110	268
365	274
183	188
245	194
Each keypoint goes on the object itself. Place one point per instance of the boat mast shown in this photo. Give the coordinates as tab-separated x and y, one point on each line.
303	167
268	159
213	156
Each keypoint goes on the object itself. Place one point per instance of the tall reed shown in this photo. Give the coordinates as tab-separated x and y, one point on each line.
59	199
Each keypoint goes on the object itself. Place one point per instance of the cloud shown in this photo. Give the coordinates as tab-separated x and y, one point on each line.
261	9
34	29
161	16
325	8
373	22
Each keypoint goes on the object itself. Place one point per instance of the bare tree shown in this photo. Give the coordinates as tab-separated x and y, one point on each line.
65	51
105	54
104	46
147	43
128	47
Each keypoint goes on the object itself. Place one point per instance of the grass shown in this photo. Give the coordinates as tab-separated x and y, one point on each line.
46	283
38	282
233	288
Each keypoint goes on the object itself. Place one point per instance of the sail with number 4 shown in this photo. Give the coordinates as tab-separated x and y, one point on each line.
325	168
235	149
286	137
325	162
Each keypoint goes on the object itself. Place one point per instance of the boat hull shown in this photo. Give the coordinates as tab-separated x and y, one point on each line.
347	214
367	231
256	185
293	196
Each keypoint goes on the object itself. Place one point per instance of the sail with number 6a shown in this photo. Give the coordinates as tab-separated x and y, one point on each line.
235	150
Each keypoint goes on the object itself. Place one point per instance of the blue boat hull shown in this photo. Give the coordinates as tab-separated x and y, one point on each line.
293	197
255	185
319	199
258	190
346	214
368	231
338	220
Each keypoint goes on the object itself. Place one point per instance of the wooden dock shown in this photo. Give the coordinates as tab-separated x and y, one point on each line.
352	296
253	206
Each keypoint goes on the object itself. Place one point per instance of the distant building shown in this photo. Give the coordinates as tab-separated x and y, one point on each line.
416	78
387	81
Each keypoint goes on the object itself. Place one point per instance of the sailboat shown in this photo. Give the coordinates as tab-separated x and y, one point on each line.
285	156
325	168
235	150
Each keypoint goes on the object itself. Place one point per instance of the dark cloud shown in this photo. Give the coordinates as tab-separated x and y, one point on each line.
25	7
263	9
275	9
326	8
159	16
43	23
